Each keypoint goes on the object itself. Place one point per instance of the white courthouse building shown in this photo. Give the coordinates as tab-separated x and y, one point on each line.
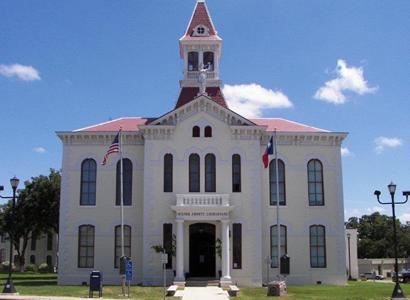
195	173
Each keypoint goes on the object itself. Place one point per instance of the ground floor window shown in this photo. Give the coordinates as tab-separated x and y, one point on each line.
127	243
274	244
237	246
317	246
86	246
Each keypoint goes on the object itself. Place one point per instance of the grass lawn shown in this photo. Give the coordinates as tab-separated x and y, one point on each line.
46	285
359	290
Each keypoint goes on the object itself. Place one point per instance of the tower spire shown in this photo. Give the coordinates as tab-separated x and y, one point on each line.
200	48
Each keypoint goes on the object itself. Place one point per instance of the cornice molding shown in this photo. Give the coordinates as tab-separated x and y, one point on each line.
99	138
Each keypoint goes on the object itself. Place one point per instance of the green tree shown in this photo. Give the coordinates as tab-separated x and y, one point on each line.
375	233
36	211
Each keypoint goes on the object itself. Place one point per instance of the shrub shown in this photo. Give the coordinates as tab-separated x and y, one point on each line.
31	268
5	266
43	268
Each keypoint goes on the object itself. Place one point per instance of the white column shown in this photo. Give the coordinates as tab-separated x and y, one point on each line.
226	264
180	251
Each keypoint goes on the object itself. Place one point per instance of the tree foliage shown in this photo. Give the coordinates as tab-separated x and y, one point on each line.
375	234
36	211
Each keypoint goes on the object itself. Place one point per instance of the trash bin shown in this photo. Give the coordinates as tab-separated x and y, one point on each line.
96	283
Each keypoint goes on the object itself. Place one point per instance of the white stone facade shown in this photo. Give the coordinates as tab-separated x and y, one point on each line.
146	143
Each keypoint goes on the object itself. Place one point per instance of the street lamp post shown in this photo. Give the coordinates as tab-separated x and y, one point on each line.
9	287
397	292
350	266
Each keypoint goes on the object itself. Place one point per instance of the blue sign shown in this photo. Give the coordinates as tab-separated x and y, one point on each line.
128	271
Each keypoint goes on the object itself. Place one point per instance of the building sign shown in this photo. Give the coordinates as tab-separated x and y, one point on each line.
203	214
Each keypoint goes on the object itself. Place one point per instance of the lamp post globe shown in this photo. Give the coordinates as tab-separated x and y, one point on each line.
14	182
392	188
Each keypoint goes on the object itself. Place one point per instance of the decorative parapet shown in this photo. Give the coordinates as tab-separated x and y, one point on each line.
202	206
202	199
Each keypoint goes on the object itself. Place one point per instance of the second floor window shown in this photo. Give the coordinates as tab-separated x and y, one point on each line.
126	182
274	182
88	182
194	170
168	161
210	173
315	183
236	173
196	131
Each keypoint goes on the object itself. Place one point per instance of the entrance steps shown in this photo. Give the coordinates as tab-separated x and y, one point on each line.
202	282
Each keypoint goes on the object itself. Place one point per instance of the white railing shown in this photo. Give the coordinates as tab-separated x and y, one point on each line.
202	200
195	75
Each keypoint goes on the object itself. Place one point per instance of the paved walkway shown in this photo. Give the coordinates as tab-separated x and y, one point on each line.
203	293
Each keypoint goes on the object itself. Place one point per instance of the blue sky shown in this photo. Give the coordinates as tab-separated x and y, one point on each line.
95	60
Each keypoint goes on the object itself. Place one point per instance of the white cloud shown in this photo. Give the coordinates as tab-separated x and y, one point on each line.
249	100
383	142
39	150
405	218
26	73
348	79
374	209
345	151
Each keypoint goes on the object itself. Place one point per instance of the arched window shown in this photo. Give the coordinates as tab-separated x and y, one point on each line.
88	182
274	244
32	259
168	166
194	172
126	182
208	60
196	131
127	243
208	131
210	173
281	182
236	173
86	235
317	234
192	61
315	183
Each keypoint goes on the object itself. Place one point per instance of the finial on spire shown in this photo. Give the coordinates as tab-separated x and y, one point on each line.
200	1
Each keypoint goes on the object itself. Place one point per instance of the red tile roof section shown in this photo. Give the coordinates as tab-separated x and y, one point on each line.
127	124
285	125
188	94
200	17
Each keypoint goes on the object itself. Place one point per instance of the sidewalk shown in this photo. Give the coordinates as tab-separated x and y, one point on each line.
203	293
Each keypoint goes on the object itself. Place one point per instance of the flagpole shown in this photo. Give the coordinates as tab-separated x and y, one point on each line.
277	198
121	194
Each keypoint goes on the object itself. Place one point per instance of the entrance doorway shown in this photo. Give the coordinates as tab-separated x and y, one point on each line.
202	250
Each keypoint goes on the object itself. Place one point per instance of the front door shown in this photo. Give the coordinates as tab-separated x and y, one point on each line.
202	250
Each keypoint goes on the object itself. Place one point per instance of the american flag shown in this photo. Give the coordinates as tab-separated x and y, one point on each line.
114	148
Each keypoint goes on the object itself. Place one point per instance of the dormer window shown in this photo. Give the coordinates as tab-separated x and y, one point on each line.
200	30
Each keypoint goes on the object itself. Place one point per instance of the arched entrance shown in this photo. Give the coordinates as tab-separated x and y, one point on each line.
202	250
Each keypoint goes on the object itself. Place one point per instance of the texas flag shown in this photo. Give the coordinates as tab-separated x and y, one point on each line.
268	151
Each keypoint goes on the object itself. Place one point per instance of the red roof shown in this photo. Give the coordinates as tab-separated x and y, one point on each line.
285	125
188	94
132	123
127	124
200	16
